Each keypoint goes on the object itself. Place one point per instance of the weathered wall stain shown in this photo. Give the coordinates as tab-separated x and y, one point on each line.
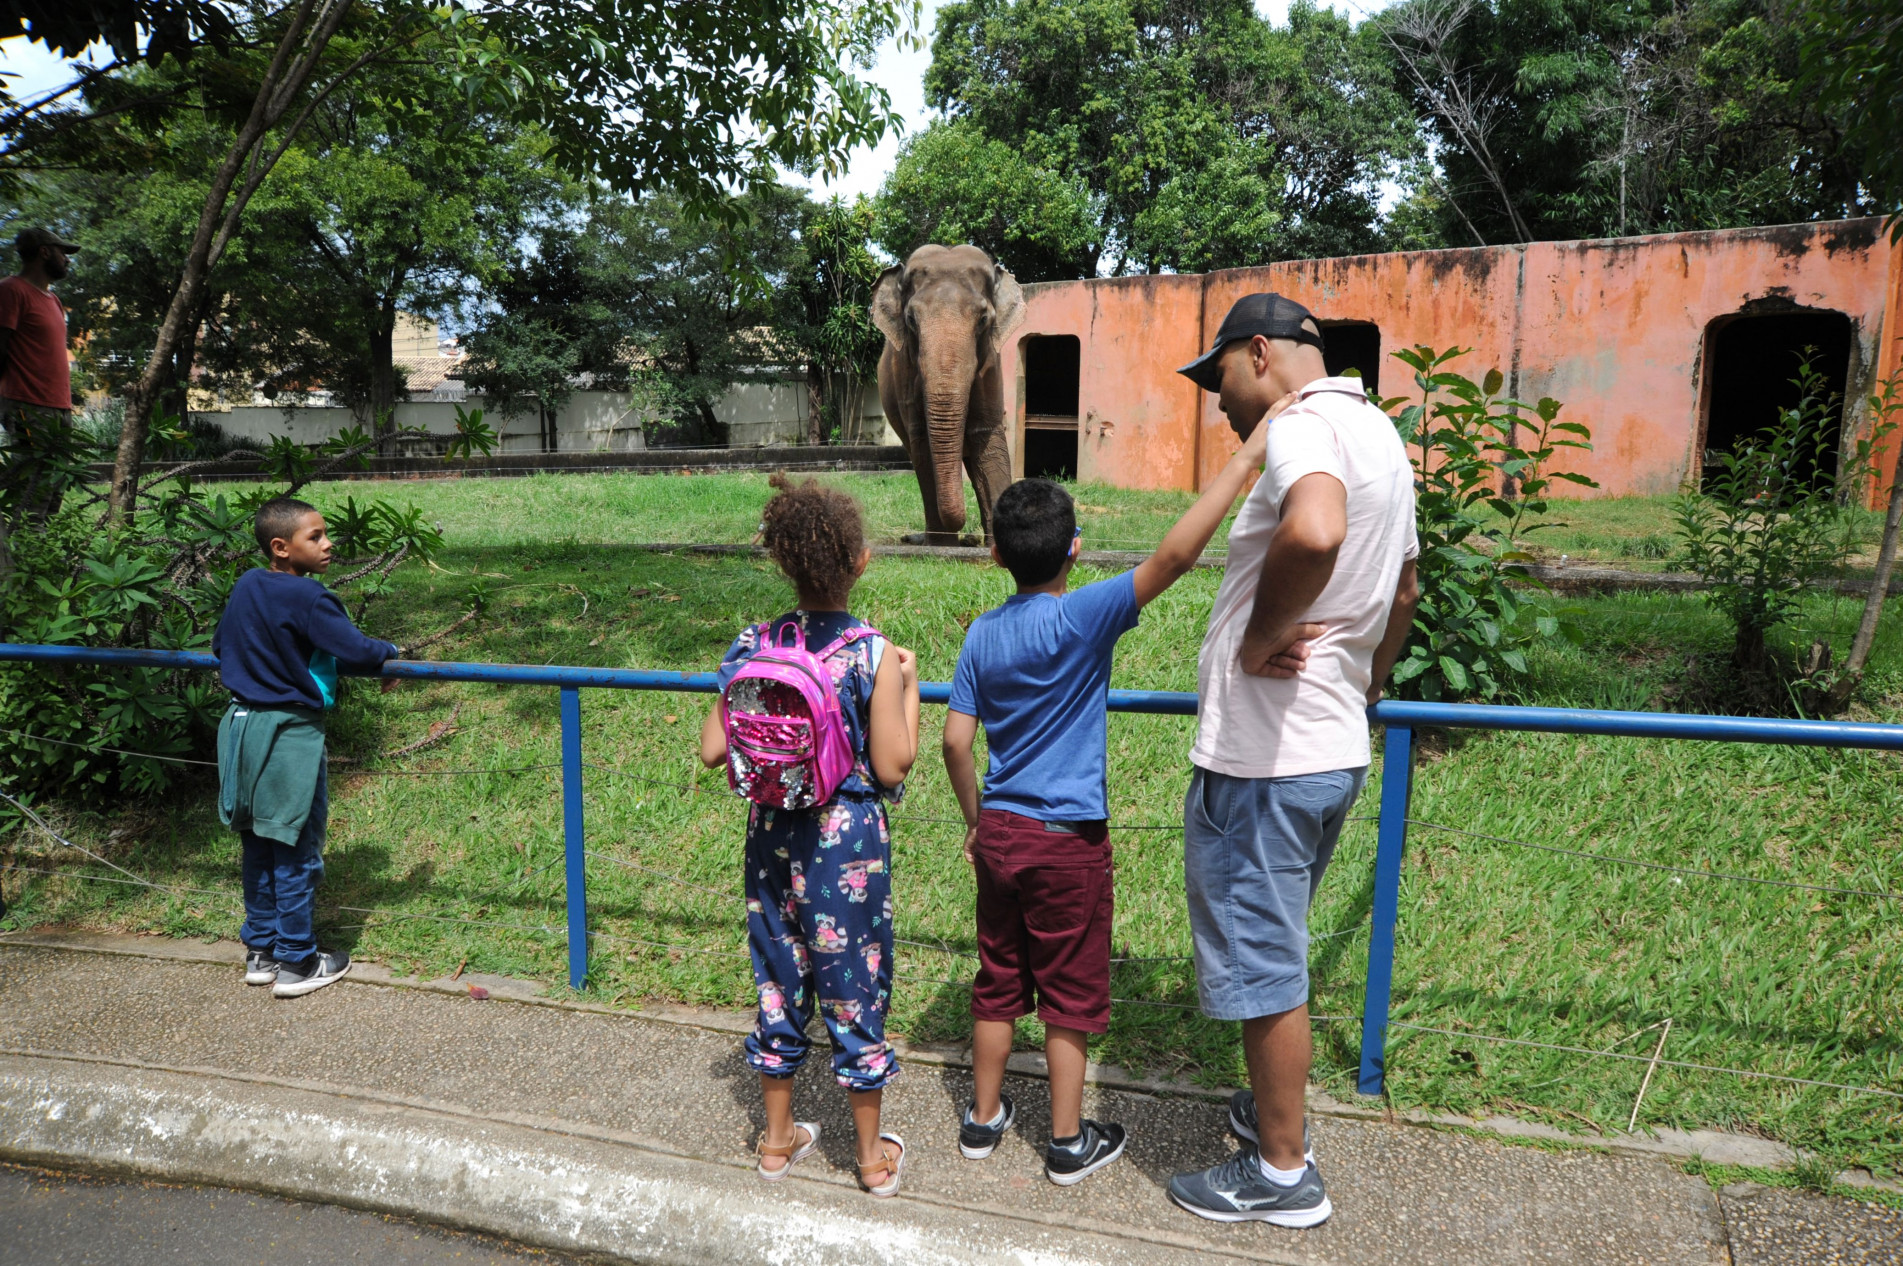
1616	330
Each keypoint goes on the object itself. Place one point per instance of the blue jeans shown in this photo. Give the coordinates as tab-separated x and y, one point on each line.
1254	852
280	887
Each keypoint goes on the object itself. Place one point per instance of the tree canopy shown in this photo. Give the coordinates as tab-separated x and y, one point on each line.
1156	134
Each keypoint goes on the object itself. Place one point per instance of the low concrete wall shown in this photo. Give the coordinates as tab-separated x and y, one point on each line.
756	414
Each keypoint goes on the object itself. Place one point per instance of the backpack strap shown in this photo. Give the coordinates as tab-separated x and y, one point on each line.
851	635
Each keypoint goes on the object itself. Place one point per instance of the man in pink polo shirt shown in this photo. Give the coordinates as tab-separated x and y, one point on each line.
1314	607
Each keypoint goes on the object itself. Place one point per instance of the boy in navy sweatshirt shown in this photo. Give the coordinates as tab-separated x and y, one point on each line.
280	645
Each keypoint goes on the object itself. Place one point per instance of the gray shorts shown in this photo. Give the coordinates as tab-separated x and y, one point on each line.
1254	851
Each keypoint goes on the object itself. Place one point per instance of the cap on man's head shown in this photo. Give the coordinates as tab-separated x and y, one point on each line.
1270	315
30	240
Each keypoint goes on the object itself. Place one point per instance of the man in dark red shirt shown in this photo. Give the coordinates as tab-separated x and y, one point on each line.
36	380
35	374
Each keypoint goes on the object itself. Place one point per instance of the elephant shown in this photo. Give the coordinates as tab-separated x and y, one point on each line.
945	313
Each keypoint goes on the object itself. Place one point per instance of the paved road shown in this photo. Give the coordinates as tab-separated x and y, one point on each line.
49	1219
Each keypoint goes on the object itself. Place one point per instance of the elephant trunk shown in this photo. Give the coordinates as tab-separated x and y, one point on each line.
945	433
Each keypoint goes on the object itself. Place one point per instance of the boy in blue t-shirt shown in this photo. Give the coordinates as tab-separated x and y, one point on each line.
1036	673
280	644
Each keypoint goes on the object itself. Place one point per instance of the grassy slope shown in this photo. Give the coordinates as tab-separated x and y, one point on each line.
1493	938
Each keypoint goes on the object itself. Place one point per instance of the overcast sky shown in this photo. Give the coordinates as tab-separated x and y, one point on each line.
901	74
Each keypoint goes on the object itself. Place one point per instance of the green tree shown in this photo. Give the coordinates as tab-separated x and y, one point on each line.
400	196
637	92
1852	56
552	319
1590	118
1195	133
952	184
825	316
647	295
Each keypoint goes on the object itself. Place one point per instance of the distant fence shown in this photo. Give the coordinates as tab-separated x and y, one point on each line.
1399	719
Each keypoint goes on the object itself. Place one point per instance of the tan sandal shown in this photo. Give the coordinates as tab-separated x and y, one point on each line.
794	1152
891	1164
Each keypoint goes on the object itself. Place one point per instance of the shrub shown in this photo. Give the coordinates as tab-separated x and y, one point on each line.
161	583
1769	521
1483	470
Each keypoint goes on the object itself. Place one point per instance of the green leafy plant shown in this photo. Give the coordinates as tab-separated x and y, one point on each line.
1483	471
160	582
1768	519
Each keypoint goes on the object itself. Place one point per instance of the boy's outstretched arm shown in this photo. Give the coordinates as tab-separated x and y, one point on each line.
1183	544
961	736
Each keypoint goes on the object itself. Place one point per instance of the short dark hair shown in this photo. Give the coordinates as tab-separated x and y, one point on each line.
277	519
1033	525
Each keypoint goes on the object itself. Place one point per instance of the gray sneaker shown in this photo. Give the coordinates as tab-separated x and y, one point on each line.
1236	1191
259	968
1245	1126
326	967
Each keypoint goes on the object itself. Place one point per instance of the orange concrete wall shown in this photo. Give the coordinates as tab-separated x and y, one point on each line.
1615	330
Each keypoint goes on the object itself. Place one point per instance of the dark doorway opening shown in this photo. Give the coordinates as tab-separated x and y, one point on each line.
1751	361
1052	366
1353	345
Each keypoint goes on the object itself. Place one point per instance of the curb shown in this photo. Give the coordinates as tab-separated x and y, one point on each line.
623	1199
1713	1146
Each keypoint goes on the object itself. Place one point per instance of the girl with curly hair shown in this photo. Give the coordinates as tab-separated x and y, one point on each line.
818	880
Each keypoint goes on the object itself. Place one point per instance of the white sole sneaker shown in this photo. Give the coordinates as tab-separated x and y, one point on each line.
1294	1219
306	984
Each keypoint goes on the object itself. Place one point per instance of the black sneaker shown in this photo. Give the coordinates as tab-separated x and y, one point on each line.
1244	1124
1236	1191
260	968
977	1141
326	967
1098	1145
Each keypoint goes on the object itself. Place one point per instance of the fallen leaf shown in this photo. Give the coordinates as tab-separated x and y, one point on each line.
459	970
478	993
596	642
639	593
670	718
670	597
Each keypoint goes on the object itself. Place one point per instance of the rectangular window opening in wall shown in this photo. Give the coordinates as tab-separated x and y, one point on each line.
1752	360
1052	364
1356	346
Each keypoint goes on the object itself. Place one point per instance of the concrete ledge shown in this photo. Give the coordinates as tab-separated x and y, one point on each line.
626	1201
644	461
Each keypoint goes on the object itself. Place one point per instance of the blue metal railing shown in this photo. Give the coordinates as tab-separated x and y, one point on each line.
1399	719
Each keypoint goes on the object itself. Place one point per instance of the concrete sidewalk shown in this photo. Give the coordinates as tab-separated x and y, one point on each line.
630	1137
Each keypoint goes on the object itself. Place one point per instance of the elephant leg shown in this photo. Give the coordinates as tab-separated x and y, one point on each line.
988	459
935	533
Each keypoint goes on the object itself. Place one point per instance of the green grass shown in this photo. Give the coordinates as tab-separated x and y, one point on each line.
1628	532
1494	939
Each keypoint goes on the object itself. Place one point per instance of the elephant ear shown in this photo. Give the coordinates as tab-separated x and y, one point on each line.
888	304
1007	303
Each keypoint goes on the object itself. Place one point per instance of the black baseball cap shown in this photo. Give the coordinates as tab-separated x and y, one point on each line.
1270	315
33	239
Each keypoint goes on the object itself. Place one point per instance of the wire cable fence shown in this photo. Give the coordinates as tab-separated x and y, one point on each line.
1400	719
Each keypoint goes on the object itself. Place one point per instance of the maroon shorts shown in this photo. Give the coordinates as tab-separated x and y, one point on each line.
1044	905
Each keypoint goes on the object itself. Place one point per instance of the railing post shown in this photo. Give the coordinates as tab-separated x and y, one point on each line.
1397	786
573	839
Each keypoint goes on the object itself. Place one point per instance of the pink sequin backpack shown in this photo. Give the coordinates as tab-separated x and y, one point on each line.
787	742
